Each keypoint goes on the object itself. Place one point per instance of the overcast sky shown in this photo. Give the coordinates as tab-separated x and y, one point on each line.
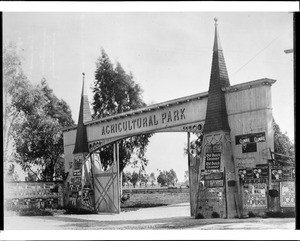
169	54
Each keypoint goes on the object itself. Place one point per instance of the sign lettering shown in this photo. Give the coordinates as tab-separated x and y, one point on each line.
212	160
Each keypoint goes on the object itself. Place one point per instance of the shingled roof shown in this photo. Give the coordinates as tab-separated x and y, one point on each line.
216	113
81	144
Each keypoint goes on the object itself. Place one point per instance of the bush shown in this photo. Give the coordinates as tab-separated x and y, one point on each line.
215	215
288	214
73	210
34	212
251	214
199	216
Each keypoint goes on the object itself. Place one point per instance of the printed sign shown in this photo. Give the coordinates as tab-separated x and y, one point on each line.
245	162
250	138
215	183
276	174
249	147
77	173
293	173
263	170
212	160
286	173
214	176
287	194
248	141
255	195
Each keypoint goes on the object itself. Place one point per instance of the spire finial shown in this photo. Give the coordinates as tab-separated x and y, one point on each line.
217	43
216	20
83	89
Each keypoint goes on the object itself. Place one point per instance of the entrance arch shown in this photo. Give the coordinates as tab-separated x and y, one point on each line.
237	137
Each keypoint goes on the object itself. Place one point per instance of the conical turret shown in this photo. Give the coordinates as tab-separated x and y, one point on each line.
216	114
81	144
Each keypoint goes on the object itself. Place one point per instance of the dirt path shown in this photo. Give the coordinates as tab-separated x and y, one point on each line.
166	217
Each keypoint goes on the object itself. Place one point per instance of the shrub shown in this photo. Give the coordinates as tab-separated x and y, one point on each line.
199	216
215	215
251	214
34	212
288	214
73	210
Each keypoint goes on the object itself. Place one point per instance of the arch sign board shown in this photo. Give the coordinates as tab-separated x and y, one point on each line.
180	115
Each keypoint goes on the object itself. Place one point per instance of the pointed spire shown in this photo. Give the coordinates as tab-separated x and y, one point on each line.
216	113
81	144
217	43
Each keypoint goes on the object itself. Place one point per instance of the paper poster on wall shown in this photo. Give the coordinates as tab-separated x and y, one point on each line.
212	160
263	170
255	195
293	173
287	194
249	147
249	141
276	174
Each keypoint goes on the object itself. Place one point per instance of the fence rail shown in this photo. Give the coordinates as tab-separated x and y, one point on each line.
154	190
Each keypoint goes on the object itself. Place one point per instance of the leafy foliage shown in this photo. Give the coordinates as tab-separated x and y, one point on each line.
282	144
115	92
135	177
167	178
152	178
37	117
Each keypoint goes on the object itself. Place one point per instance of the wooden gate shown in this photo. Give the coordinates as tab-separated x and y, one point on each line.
106	185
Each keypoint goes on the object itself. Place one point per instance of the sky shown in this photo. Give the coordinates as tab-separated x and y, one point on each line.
168	53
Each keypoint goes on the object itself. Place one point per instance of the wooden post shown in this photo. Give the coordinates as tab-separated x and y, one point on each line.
93	184
189	171
225	192
116	161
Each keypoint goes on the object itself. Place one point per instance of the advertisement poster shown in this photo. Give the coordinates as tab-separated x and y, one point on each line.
287	194
249	141
276	174
255	195
212	160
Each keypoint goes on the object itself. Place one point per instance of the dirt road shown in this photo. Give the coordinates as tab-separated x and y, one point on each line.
172	217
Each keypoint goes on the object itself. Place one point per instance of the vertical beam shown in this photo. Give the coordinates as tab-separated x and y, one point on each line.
189	170
93	181
116	162
226	192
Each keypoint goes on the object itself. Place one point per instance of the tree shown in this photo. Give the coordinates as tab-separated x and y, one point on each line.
144	177
135	177
186	177
195	145
162	178
167	178
152	178
115	92
126	177
171	177
37	117
282	144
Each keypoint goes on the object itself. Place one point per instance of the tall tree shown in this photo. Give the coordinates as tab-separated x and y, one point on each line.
35	117
152	178
282	144
135	177
172	177
115	92
162	178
